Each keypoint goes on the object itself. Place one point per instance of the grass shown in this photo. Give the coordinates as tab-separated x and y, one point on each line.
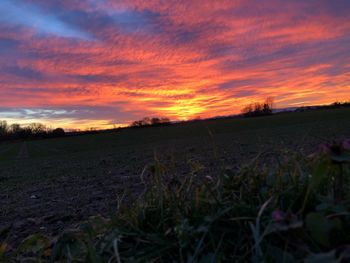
298	210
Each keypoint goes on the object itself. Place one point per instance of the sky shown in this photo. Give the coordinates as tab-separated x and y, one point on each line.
104	63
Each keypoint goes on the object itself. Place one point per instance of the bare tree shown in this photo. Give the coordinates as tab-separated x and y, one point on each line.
270	103
37	128
15	128
3	128
155	121
259	109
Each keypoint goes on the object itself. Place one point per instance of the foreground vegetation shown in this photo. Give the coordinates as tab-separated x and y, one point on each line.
287	210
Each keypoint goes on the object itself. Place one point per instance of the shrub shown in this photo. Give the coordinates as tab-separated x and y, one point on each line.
58	132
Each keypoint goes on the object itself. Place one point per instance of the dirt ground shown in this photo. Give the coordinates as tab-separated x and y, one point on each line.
52	185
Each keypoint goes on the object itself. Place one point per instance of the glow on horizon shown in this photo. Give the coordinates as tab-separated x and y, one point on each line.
106	63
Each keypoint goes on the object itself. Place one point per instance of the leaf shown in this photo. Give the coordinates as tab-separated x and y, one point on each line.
68	246
319	174
283	227
319	228
208	258
277	254
3	247
340	158
34	244
330	207
92	256
336	224
329	257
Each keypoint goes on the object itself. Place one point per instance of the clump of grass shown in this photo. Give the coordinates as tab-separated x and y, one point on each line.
296	210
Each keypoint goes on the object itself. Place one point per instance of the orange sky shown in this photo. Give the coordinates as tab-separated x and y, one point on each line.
80	64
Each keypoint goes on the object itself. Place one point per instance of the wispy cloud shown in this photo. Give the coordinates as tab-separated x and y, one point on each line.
23	14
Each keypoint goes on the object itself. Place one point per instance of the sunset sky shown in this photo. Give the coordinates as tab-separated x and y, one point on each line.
99	63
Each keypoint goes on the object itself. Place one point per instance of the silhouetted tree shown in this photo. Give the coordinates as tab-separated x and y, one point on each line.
259	109
165	121
15	128
155	121
136	124
16	131
58	132
37	128
270	101
3	128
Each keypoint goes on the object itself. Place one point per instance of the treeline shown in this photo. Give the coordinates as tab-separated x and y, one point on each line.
259	109
339	104
334	105
146	122
33	130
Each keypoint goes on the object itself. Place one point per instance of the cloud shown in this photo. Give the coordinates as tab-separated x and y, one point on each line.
19	13
241	83
7	45
24	73
180	59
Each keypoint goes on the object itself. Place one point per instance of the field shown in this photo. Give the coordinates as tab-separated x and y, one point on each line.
50	185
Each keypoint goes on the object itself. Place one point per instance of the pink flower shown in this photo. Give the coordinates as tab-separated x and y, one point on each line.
346	144
278	215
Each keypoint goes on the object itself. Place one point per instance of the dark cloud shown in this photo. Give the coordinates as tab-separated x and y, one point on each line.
8	45
94	78
238	83
24	72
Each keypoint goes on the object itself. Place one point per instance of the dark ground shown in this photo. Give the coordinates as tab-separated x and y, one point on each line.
49	185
